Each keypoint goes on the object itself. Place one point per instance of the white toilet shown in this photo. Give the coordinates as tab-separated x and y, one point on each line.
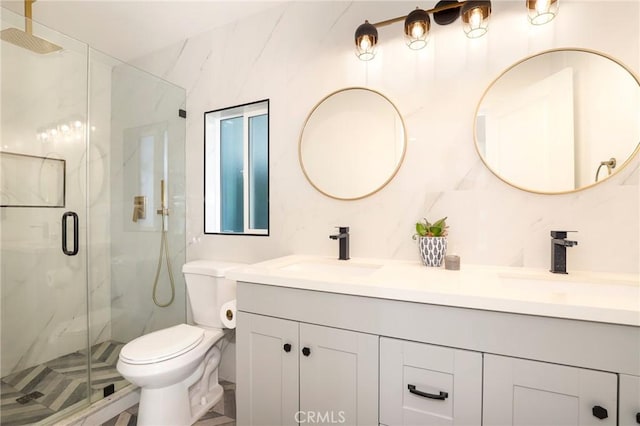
177	368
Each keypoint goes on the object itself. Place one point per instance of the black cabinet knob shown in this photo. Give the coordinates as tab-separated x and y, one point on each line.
600	412
306	351
638	418
287	347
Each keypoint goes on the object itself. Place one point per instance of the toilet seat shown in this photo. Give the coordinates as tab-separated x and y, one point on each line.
162	345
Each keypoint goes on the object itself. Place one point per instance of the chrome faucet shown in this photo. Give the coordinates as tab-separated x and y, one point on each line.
343	237
559	245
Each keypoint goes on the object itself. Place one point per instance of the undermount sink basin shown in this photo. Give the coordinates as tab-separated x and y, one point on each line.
573	289
343	268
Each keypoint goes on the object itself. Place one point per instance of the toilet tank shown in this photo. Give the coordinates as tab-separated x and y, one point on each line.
208	289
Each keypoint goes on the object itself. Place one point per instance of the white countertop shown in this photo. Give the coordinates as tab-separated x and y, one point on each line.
590	296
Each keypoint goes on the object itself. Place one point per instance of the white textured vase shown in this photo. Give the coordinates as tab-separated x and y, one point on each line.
432	250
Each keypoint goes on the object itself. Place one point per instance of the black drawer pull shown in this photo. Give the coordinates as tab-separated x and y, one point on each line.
600	412
442	395
287	347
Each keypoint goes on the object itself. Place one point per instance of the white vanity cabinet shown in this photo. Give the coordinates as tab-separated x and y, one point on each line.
522	392
290	372
496	367
423	384
267	370
629	400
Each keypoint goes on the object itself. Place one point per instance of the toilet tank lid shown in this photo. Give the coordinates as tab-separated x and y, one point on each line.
215	268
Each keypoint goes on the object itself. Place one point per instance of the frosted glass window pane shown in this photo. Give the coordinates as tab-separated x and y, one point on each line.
236	170
258	172
231	179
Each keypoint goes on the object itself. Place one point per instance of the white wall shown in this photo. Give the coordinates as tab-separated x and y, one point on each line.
298	53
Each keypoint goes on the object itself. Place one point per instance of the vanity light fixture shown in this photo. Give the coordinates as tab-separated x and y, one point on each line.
417	24
475	16
541	11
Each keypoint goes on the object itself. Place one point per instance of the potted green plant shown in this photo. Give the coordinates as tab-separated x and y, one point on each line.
432	241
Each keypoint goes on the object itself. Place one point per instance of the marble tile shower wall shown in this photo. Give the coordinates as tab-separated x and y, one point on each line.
44	294
143	104
43	291
297	53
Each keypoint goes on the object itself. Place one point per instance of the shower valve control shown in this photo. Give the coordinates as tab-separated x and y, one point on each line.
139	207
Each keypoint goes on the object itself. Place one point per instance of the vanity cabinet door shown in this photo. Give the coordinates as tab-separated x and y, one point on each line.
629	400
338	376
521	392
267	370
423	384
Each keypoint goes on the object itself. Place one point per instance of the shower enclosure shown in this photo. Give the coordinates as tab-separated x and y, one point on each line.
85	141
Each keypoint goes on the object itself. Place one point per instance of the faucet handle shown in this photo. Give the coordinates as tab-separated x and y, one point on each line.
342	229
560	234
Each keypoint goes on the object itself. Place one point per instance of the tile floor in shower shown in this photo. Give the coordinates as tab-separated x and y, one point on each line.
62	383
38	392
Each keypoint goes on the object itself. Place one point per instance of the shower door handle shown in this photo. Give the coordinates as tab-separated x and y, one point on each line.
65	248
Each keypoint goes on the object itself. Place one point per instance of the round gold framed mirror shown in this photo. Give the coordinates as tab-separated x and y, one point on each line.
559	121
352	143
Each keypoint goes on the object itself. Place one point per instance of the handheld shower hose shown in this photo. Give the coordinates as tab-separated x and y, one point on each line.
164	248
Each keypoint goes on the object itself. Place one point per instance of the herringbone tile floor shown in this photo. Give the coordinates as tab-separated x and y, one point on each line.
36	393
223	414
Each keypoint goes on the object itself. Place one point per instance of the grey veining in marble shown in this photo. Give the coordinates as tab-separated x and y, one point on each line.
437	90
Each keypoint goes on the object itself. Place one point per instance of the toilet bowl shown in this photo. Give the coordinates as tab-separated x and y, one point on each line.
177	368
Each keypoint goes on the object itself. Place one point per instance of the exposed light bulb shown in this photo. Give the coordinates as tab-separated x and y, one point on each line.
77	124
365	42
417	30
542	6
64	128
475	20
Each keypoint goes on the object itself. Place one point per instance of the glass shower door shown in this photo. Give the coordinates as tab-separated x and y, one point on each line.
43	226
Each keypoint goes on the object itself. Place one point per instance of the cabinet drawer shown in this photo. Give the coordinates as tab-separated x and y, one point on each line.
429	385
